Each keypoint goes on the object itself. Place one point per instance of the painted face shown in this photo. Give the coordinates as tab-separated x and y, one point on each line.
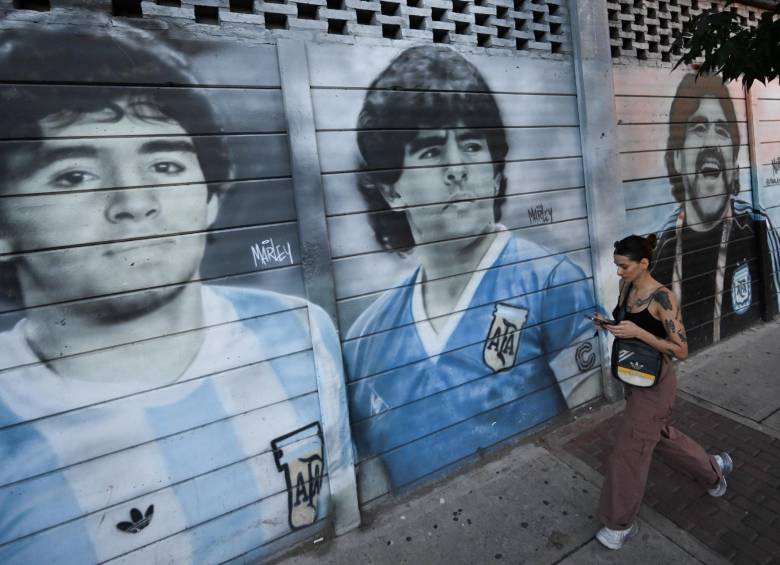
447	186
627	269
709	156
135	186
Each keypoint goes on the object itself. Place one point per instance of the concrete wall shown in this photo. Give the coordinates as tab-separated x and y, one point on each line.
259	266
172	382
763	103
642	33
168	393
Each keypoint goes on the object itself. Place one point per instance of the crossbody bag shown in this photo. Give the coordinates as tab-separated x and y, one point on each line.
633	361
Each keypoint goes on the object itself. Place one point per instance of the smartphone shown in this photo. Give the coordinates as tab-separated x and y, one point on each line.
602	321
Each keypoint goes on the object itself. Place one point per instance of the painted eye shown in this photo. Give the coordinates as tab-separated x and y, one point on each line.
699	128
73	179
167	168
473	147
722	131
430	153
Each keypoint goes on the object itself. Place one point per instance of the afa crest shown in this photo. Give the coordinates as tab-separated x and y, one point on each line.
741	291
503	339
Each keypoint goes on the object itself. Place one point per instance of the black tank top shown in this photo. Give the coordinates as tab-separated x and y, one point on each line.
644	319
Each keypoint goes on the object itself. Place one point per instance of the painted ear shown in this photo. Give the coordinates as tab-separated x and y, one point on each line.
391	196
5	248
498	178
212	209
677	160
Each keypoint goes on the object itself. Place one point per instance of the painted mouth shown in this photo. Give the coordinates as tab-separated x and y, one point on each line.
134	247
710	164
710	168
458	200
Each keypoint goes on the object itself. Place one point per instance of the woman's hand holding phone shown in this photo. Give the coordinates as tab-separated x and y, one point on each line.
600	321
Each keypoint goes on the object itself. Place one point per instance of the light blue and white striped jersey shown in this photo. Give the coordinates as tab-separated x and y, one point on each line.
195	472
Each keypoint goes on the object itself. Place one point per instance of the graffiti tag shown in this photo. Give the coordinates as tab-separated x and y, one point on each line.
299	456
540	215
585	357
269	253
775	179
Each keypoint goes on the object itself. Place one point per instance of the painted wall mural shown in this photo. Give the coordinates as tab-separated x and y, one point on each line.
167	393
457	224
160	400
685	165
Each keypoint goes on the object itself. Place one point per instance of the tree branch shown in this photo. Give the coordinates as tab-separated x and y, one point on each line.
728	48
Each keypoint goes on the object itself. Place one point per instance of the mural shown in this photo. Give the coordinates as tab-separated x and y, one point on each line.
707	250
479	332
166	391
685	150
158	397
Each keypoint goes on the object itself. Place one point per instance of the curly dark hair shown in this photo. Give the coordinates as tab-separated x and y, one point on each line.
112	67
440	89
686	101
134	58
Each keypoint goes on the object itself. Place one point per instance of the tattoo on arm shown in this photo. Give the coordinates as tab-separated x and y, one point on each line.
670	327
662	297
682	336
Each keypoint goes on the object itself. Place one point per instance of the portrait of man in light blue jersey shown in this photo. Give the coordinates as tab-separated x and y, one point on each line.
143	411
486	339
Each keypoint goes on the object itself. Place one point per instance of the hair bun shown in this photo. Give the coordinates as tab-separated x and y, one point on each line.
651	240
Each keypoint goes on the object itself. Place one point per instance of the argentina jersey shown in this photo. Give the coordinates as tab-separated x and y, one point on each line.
506	360
234	449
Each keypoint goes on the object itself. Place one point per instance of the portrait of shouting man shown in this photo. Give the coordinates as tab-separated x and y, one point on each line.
708	250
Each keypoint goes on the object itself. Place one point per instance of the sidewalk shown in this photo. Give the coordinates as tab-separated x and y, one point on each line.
534	502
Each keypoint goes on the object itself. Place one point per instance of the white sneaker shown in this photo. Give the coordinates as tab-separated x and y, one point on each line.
614	539
726	465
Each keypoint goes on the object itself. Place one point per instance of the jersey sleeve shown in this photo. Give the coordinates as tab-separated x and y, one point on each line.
568	296
569	337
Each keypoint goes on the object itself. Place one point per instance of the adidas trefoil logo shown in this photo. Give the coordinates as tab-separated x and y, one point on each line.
137	521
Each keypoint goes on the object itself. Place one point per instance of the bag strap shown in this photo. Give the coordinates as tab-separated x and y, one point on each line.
621	313
624	298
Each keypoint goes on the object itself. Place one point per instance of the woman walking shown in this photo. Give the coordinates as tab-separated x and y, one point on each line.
652	315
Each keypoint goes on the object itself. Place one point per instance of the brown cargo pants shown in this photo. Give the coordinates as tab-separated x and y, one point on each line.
644	429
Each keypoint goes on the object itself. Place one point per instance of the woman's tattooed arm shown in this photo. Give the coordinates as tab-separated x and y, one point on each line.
668	310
